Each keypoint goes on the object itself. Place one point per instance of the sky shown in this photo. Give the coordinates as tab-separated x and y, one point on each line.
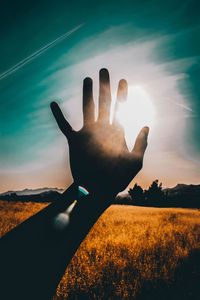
155	46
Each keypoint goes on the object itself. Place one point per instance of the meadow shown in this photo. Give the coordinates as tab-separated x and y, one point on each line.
130	253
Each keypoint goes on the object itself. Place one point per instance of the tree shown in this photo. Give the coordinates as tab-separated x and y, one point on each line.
155	192
136	193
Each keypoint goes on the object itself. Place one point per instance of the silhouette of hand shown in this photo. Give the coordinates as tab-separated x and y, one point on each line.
99	158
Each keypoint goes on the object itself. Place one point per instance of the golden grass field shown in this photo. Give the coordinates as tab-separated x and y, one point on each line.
130	253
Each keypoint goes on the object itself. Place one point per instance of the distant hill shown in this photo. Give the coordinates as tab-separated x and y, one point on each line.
183	195
185	189
33	195
27	192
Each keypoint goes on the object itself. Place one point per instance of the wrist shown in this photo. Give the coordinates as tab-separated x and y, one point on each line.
91	206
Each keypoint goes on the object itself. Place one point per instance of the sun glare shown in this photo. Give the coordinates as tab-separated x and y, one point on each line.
136	113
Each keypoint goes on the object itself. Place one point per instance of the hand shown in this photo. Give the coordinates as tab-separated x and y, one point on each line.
99	158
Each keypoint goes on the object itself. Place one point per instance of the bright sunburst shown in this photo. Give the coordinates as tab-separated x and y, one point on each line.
136	113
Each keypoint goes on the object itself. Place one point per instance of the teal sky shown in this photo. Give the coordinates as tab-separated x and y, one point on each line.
150	43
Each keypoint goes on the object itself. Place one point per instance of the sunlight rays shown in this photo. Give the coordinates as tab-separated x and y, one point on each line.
136	113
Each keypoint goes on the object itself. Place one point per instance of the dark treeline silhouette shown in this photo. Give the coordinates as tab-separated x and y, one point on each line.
182	195
153	195
46	197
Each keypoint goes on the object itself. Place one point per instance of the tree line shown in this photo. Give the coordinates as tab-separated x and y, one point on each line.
155	195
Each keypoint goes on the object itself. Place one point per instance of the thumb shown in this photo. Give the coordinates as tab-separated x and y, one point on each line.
64	126
141	142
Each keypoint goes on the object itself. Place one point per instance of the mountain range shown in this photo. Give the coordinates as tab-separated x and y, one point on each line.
26	192
182	195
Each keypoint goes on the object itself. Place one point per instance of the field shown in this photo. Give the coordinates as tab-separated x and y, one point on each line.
130	253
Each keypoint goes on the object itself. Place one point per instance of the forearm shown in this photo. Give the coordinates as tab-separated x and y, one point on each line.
35	261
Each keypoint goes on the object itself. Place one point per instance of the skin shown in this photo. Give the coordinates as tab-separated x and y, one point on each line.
99	158
35	254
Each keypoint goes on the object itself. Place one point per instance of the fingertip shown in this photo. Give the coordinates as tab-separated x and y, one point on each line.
53	104
103	70
122	91
104	74
123	83
144	134
87	80
146	130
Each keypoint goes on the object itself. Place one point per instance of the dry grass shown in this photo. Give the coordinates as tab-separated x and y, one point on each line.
13	213
131	252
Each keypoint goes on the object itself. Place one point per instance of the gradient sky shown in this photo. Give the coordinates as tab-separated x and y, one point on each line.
152	44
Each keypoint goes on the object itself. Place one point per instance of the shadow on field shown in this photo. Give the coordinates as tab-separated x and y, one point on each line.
184	285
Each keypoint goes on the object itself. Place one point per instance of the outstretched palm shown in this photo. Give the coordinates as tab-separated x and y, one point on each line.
99	158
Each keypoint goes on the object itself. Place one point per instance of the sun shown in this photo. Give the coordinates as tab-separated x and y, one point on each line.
138	111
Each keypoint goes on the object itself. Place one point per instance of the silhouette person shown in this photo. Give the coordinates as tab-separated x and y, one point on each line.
34	255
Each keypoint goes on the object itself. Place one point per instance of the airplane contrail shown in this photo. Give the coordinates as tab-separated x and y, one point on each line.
37	53
183	106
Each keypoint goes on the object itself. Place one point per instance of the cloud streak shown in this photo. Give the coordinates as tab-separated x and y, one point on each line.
37	53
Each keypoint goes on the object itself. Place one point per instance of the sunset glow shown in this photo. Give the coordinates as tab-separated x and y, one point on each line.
160	65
